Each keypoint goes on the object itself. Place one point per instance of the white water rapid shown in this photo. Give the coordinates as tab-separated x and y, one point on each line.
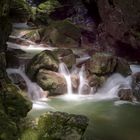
35	92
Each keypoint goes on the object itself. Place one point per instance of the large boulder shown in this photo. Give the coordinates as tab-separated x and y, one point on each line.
62	34
45	59
52	82
56	126
103	63
20	11
15	104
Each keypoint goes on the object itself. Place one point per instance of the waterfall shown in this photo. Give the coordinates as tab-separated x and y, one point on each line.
65	72
35	92
67	75
82	80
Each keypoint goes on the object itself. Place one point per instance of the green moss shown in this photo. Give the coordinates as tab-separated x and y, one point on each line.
48	6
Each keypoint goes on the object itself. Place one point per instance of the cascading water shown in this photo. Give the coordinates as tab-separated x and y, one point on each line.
82	80
65	72
35	92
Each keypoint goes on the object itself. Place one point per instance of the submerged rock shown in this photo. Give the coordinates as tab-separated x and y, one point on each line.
63	126
45	59
52	82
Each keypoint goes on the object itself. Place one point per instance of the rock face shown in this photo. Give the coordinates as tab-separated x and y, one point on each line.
13	106
52	82
46	60
119	30
58	126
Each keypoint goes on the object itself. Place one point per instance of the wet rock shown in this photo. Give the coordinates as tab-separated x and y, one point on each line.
58	125
122	67
52	82
67	56
101	64
136	85
96	81
45	59
126	94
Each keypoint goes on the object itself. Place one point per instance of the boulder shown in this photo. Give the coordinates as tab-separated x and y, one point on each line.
101	64
55	126
62	34
96	82
58	125
104	64
15	104
122	67
20	11
136	85
8	128
45	59
52	82
67	56
126	94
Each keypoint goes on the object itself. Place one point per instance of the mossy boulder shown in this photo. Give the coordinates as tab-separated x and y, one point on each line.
8	128
14	103
57	126
52	82
45	59
67	56
62	34
20	11
101	64
96	82
104	64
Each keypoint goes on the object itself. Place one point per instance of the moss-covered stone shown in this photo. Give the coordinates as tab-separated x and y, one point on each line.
15	105
52	82
45	59
62	34
20	11
102	63
8	129
57	126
